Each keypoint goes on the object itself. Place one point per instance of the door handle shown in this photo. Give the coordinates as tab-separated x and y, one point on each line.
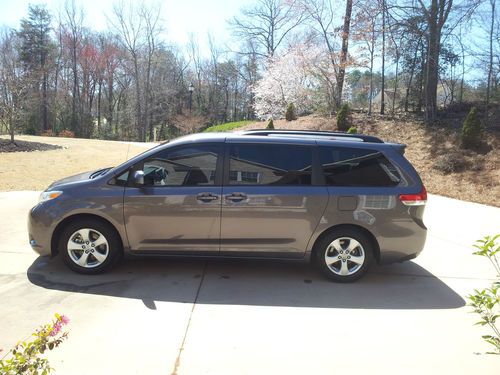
236	197
206	197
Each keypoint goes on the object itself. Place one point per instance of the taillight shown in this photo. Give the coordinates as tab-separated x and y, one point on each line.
414	199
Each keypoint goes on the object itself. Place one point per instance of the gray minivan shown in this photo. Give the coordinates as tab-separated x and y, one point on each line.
341	200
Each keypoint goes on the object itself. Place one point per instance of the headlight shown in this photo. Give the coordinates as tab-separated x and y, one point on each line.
49	195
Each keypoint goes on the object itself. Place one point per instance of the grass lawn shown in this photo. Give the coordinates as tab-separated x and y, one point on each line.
228	126
37	169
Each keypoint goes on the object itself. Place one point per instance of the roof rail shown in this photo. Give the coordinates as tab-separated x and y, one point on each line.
357	137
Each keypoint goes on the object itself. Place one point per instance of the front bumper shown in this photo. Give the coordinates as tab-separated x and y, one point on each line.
39	231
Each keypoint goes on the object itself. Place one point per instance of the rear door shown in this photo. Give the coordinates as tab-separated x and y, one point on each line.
271	203
178	208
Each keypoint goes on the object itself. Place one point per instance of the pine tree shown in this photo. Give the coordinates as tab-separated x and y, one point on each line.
471	130
35	45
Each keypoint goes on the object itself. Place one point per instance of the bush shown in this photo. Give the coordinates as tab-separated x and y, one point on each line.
450	163
471	130
47	133
344	118
26	357
486	302
30	131
66	133
352	130
290	113
270	124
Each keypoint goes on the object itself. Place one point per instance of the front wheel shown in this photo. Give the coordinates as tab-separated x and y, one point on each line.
89	246
344	255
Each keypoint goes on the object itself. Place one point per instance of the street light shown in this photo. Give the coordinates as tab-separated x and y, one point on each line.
191	89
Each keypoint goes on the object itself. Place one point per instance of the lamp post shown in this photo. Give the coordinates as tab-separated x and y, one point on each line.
191	89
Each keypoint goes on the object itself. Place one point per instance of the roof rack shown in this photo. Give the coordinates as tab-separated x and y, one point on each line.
332	135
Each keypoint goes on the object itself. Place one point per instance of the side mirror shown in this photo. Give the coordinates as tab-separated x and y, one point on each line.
138	178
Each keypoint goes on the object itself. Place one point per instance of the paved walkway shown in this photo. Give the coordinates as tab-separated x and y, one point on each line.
249	317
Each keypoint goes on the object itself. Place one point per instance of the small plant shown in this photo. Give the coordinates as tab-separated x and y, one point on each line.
344	118
290	113
270	124
486	302
488	247
471	130
66	133
26	358
352	130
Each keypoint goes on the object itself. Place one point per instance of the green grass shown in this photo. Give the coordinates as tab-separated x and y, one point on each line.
228	126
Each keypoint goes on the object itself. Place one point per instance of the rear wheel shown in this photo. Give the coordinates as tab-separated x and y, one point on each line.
89	246
344	255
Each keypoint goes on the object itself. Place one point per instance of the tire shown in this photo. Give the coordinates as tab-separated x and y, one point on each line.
344	255
89	246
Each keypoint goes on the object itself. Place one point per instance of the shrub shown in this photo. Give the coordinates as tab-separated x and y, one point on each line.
66	133
290	113
30	131
486	302
47	133
26	357
471	130
270	124
352	130
450	163
344	118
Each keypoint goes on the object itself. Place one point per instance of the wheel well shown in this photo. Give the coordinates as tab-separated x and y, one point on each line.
373	240
60	227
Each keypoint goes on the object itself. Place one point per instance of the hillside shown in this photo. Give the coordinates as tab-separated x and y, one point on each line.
479	181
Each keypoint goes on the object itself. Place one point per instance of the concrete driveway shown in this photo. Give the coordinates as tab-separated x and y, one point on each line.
249	317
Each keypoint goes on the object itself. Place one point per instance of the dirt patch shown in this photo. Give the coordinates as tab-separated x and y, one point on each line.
23	146
37	169
478	180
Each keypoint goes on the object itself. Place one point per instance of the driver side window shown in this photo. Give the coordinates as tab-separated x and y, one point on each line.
185	166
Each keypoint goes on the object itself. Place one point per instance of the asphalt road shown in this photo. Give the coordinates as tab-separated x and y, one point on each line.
251	317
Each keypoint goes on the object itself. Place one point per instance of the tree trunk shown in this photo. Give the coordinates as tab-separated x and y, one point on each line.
490	66
372	54
99	107
382	93
343	52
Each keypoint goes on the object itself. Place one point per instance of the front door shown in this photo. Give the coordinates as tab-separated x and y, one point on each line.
271	204
178	208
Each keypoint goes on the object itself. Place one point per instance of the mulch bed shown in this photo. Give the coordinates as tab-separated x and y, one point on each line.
23	146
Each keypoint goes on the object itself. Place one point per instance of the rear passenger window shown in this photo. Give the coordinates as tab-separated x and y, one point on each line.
270	164
357	167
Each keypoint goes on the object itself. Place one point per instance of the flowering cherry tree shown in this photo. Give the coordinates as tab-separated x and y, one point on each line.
292	77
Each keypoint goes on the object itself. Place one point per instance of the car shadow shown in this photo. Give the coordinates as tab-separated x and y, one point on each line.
251	282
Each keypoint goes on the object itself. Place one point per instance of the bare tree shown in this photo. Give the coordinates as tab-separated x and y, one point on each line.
267	23
12	87
436	15
490	63
344	50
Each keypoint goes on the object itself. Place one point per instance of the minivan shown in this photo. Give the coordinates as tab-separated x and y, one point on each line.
343	201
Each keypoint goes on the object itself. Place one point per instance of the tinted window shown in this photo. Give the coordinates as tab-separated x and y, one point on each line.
267	164
122	179
187	166
357	167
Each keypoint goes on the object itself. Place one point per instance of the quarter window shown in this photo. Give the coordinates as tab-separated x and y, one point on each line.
186	166
270	164
357	167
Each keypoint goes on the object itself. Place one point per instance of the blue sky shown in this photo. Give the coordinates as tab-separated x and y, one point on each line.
181	17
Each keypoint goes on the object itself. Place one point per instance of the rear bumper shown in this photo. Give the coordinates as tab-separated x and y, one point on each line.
400	249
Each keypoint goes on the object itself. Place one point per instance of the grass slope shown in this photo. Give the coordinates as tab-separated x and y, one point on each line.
228	126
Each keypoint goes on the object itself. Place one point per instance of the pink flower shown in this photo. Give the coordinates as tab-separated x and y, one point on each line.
56	329
64	319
